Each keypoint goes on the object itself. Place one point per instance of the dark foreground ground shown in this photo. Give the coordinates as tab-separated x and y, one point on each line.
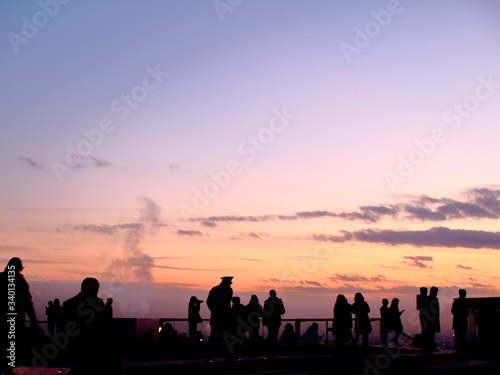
286	360
324	359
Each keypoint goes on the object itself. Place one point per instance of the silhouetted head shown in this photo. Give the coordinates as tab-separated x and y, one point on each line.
57	302
227	280
17	263
109	301
313	327
395	302
50	303
341	299
434	291
462	293
193	299
168	327
272	293
423	290
289	327
385	302
358	297
90	287
254	298
236	300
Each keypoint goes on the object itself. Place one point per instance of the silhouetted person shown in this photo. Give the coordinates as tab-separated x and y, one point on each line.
58	315
51	322
254	317
395	316
273	309
288	336
238	312
219	304
108	311
342	321
460	310
385	321
148	338
168	336
194	316
422	307
18	300
433	318
200	337
91	348
362	323
311	335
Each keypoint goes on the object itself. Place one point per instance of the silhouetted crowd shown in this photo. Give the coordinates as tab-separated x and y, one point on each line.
80	329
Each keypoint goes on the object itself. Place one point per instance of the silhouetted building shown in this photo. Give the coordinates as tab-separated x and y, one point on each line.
484	326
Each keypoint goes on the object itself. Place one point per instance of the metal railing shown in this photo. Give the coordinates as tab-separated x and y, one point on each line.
296	322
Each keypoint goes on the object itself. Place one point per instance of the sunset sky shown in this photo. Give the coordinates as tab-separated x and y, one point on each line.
314	147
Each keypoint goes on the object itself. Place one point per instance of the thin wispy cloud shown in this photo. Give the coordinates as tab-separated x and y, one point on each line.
208	223
98	162
30	162
105	229
477	284
189	233
174	168
419	261
478	203
353	277
250	235
433	237
246	259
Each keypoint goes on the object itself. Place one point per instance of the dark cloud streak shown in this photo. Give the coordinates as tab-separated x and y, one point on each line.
433	237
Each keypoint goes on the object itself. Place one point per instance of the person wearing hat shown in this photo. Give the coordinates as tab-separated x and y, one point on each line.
19	301
219	304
